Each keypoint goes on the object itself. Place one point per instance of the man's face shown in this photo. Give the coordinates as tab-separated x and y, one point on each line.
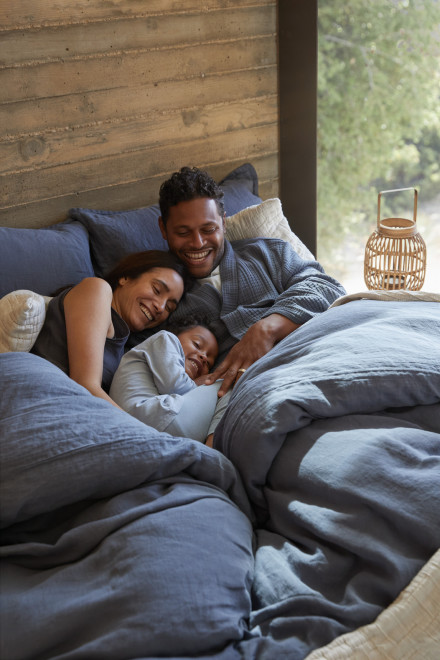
195	232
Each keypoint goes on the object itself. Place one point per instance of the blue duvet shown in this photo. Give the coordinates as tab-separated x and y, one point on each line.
318	505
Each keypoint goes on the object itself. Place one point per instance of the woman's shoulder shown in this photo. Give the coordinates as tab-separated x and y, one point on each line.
93	284
92	288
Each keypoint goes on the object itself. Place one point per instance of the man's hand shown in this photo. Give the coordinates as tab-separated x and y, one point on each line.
258	340
200	380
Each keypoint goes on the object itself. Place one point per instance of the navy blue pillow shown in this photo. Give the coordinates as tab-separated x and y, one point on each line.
241	189
114	234
43	260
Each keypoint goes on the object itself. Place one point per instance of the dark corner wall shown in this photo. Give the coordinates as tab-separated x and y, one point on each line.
298	68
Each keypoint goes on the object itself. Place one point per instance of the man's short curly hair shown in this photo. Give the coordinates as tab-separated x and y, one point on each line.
187	184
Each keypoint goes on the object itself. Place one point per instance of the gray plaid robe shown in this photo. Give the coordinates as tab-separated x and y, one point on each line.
259	277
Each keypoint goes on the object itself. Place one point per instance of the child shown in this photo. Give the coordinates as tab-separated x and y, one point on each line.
157	381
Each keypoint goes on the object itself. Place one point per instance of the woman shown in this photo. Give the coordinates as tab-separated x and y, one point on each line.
87	325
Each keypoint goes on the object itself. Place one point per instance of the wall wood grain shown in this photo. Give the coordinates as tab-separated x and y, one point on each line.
101	101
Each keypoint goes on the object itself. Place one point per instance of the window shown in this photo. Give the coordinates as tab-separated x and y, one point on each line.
378	127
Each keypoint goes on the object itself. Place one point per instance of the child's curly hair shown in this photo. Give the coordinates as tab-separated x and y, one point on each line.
190	322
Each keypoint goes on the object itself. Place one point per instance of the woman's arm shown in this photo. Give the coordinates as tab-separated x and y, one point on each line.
87	310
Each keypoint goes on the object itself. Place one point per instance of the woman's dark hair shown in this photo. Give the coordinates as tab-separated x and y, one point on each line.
187	184
137	263
176	327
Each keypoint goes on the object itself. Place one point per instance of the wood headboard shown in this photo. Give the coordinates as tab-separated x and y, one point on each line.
101	101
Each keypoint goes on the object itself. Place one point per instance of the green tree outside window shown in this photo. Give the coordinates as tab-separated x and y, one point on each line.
378	116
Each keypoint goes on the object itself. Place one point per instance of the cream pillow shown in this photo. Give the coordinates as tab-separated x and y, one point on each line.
22	315
265	220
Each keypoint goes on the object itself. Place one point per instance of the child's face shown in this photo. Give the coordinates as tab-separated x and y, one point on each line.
200	348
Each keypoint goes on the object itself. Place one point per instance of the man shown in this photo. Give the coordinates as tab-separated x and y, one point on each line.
255	291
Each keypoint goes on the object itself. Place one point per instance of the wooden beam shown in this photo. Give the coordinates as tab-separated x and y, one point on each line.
298	67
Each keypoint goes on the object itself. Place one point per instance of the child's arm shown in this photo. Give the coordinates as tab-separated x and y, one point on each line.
135	390
165	358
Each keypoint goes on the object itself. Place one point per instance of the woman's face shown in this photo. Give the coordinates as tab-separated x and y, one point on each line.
149	299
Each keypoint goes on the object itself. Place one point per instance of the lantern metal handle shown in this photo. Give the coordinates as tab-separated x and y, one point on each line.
383	192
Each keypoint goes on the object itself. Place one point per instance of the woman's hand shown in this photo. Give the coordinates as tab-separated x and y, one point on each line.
258	340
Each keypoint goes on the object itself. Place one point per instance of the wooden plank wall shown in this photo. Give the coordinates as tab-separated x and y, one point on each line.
101	100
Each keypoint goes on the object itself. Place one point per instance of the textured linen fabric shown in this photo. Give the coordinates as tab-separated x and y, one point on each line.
22	315
115	234
44	260
409	628
121	541
240	188
399	295
260	277
336	436
117	541
265	220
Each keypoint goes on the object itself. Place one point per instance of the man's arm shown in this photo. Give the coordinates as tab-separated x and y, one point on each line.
298	290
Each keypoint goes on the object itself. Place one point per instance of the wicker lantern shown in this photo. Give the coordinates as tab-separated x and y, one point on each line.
395	254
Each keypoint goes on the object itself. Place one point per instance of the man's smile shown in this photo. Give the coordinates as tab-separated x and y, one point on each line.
197	256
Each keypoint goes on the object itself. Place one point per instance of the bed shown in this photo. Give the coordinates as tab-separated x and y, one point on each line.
310	530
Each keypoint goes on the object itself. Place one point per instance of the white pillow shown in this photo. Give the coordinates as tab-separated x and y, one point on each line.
22	315
265	220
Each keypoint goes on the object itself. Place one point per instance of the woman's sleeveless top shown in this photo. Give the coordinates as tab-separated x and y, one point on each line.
51	342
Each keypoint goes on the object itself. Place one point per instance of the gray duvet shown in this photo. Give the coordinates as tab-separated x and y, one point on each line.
319	503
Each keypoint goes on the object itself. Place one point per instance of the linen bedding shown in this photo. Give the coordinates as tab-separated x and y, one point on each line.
309	531
317	506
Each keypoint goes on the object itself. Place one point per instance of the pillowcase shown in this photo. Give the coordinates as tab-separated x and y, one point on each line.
240	188
268	221
43	260
22	315
114	234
